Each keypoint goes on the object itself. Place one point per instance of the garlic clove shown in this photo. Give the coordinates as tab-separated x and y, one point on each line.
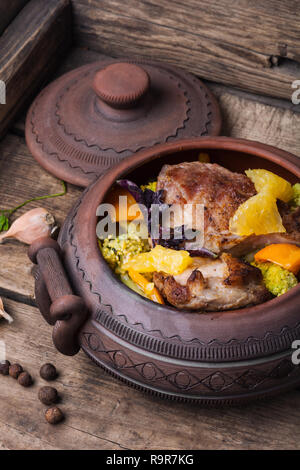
4	314
33	224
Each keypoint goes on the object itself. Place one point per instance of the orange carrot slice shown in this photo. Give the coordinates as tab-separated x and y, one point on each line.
283	254
148	287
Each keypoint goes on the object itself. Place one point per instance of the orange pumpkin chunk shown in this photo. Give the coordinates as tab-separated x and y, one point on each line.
283	254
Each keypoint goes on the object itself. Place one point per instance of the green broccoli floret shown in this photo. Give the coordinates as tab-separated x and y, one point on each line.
295	201
277	279
117	251
151	185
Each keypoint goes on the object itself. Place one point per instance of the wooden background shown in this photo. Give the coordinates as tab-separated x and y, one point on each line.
250	44
101	412
8	11
35	39
209	38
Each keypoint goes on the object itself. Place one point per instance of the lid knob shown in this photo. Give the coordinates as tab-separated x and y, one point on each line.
121	85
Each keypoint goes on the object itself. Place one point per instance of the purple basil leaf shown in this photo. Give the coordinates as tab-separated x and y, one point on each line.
148	198
134	190
151	197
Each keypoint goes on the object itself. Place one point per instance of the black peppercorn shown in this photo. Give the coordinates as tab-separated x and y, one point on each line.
4	367
25	379
54	415
15	370
48	395
48	372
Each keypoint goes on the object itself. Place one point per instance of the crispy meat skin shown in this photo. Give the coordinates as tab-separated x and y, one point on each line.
226	283
218	189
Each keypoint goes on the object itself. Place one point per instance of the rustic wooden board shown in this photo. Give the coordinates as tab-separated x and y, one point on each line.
31	47
250	45
8	10
102	413
21	178
250	119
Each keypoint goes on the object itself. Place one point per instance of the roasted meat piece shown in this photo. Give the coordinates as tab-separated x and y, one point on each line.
219	191
211	285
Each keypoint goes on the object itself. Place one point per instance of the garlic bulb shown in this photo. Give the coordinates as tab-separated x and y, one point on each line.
3	313
33	224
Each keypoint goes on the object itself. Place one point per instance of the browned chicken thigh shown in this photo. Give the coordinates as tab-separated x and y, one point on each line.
211	285
219	191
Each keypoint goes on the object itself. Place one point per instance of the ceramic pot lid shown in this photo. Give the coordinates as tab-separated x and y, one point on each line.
94	116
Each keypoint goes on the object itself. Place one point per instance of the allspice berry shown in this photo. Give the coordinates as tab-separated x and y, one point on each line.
48	395
25	379
48	372
15	370
4	367
54	415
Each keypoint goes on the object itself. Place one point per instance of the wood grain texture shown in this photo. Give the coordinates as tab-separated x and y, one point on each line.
21	178
250	45
8	10
250	119
31	46
102	413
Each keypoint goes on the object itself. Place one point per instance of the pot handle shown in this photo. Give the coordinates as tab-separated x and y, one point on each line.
67	311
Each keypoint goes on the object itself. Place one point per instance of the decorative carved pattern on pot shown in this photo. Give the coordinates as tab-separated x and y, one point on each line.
216	382
91	118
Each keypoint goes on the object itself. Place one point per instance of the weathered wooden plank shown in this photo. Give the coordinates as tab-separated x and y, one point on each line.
218	89
243	44
21	178
102	413
31	46
254	25
8	10
249	119
16	280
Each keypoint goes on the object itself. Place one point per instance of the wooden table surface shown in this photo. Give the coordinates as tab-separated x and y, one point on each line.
102	413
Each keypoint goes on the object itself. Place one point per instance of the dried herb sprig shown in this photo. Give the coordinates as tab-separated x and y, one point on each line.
6	214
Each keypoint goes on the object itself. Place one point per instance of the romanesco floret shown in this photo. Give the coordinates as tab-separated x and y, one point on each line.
117	251
295	202
277	279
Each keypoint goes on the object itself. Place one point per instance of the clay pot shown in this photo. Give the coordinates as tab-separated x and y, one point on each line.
212	358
